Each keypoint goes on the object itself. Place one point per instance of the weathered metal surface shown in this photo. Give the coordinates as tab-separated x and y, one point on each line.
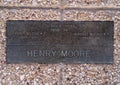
59	41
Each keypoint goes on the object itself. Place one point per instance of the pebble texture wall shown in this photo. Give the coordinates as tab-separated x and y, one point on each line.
60	74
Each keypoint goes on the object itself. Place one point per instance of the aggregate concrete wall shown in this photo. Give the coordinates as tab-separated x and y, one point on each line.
60	74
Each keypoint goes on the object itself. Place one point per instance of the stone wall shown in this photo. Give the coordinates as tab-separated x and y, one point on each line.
60	74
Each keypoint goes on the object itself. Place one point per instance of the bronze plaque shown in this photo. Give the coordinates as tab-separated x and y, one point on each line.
59	41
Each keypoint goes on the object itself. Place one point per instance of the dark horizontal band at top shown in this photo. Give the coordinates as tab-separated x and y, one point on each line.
64	8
